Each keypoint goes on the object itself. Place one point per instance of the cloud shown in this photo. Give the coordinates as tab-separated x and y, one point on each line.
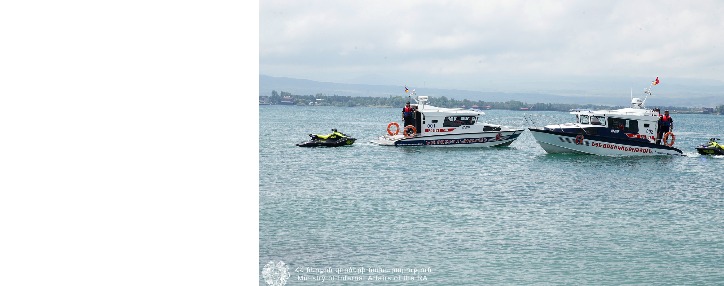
458	41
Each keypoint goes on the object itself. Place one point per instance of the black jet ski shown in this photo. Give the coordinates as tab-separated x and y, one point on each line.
711	148
334	139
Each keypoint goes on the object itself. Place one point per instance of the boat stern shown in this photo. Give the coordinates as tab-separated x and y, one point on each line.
387	140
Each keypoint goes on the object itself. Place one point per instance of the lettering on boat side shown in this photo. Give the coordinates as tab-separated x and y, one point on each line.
462	141
622	148
439	130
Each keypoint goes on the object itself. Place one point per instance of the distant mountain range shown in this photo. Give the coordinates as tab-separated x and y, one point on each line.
309	87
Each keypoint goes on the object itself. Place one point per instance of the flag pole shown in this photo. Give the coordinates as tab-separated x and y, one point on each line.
408	93
648	90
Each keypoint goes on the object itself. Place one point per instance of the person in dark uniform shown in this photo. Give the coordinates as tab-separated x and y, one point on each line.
666	124
407	115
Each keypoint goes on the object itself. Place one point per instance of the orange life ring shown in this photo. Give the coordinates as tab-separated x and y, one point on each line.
408	127
579	139
666	139
397	128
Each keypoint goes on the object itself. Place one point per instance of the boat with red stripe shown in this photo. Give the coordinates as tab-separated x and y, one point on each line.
447	127
632	131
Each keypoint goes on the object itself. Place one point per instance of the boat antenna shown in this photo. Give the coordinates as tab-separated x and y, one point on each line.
647	91
408	93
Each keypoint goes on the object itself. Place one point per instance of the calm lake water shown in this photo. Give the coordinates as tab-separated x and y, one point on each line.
378	215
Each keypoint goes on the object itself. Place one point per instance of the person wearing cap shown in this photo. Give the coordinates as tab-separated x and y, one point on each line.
666	124
407	114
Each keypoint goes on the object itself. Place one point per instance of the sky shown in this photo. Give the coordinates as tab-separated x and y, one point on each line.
494	45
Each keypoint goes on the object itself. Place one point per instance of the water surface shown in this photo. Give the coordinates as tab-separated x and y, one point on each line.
481	216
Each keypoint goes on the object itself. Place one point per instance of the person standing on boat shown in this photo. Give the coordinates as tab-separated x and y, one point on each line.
666	124
658	127
407	114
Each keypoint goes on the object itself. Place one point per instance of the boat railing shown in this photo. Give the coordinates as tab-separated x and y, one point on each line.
584	129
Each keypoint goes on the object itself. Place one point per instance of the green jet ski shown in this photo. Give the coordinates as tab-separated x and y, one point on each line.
711	148
334	139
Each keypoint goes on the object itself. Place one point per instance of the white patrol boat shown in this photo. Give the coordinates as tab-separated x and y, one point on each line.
622	132
436	126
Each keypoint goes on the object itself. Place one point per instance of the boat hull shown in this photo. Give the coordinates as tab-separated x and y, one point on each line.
565	142
484	139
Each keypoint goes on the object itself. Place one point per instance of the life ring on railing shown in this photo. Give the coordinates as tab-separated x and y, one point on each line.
579	139
666	139
397	128
408	127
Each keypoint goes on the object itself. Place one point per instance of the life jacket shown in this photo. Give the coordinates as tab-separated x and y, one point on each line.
407	111
666	120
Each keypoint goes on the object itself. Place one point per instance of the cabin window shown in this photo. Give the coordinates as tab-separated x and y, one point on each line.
456	121
434	121
625	125
598	120
634	126
584	119
449	122
646	125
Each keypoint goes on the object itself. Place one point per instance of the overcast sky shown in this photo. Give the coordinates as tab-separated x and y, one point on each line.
482	45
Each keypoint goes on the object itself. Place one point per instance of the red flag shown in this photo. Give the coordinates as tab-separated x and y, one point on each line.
656	81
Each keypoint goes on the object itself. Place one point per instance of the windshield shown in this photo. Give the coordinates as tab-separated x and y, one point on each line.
584	119
597	120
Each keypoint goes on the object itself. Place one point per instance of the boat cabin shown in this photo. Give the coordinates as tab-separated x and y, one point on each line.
632	122
431	120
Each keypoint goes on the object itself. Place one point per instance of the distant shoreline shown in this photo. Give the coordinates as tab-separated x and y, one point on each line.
385	106
286	98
